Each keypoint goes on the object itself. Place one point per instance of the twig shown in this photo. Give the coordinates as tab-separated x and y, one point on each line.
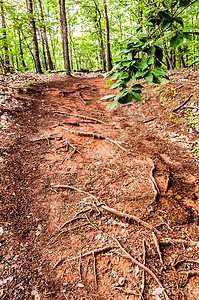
150	120
192	107
167	241
94	268
76	150
80	96
143	273
142	266
96	251
88	118
157	247
186	261
181	105
116	143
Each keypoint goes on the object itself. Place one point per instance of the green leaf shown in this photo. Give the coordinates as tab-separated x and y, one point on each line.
113	104
179	20
164	15
129	56
158	53
158	72
150	79
133	79
140	74
116	85
126	99
115	76
136	96
151	61
187	36
183	3
156	79
107	97
108	81
136	87
176	40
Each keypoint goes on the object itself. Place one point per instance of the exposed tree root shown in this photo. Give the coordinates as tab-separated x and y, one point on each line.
142	267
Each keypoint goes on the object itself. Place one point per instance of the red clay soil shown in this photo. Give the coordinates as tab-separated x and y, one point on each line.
98	204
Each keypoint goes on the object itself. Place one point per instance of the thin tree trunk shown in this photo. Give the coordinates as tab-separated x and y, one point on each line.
44	52
108	51
21	50
4	34
50	63
64	35
29	4
99	28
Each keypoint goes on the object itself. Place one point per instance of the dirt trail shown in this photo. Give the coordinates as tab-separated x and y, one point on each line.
80	185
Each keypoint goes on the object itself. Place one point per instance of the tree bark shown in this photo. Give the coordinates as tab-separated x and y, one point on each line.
108	51
29	5
21	50
4	34
64	35
50	63
99	28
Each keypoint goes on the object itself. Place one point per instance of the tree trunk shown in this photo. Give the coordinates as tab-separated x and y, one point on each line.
64	35
21	51
29	4
50	63
4	34
99	28
45	65
108	51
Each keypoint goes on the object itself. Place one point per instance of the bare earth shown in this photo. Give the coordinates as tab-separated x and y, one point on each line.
98	204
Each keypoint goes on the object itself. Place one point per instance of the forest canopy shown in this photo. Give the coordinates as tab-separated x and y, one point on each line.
135	37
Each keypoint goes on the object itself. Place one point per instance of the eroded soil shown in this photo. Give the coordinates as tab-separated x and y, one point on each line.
90	196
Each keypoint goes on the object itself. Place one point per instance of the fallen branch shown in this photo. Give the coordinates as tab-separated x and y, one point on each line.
95	251
142	266
183	104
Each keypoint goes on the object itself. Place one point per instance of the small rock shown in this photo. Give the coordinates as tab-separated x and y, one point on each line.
80	285
1	231
121	281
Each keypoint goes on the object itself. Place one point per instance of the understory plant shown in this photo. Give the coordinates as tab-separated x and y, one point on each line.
144	56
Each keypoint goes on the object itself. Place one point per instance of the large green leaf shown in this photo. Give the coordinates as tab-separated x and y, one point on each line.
158	72
126	99
140	74
107	97
150	79
176	40
136	96
159	53
113	104
136	87
116	85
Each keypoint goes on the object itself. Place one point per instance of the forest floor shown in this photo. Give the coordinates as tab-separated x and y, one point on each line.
98	204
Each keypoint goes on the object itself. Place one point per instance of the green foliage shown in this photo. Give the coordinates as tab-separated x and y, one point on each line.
144	55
